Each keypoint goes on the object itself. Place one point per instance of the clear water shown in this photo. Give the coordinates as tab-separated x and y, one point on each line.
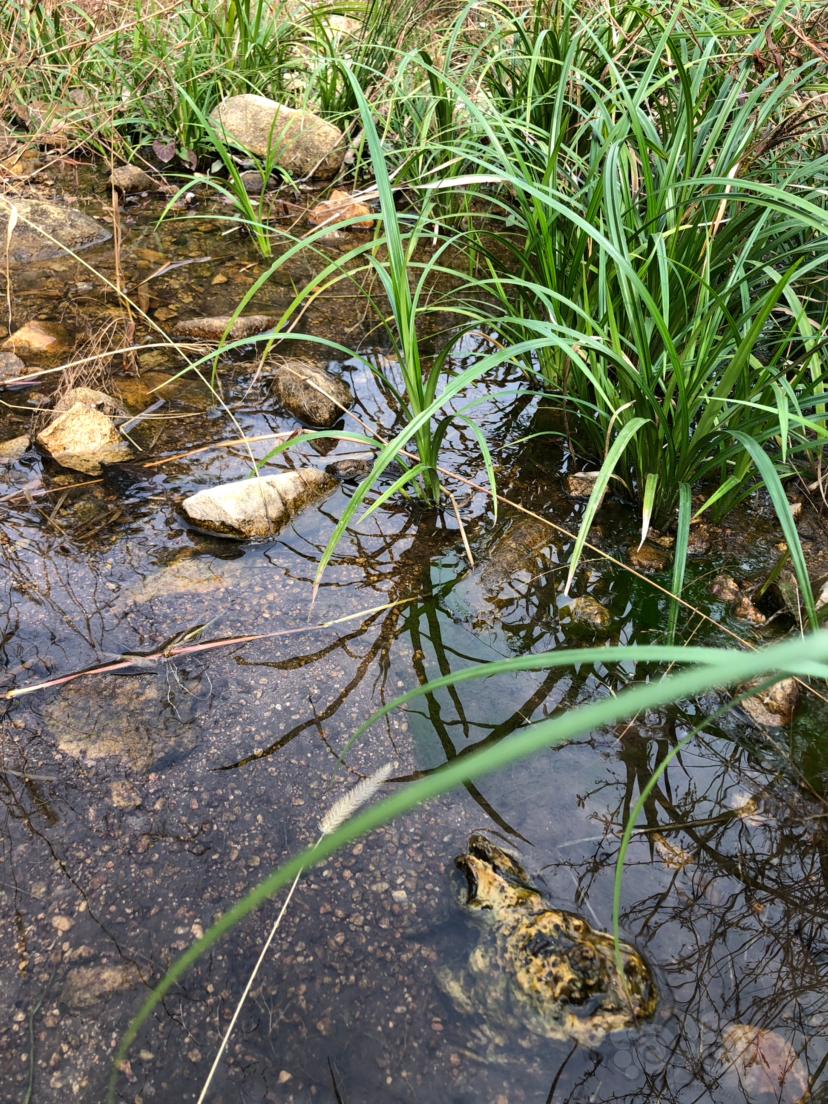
229	757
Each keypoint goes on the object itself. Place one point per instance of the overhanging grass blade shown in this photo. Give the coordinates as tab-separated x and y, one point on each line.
680	555
737	668
773	484
607	468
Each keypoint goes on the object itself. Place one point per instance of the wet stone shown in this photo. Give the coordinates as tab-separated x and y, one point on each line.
649	558
124	795
11	366
774	706
45	340
11	451
761	1065
349	470
581	484
89	397
64	229
215	328
83	438
309	392
127	720
588	612
260	507
184	577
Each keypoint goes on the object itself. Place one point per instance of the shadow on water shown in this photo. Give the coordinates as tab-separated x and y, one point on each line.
137	809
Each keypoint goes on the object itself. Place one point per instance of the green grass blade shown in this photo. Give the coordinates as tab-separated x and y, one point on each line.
607	468
680	555
773	484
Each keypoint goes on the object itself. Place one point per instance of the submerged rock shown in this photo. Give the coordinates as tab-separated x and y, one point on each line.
726	589
309	392
11	451
184	577
588	612
87	986
581	484
258	507
774	706
47	340
649	558
521	549
761	1065
83	438
340	207
129	721
11	366
215	328
44	230
302	143
350	469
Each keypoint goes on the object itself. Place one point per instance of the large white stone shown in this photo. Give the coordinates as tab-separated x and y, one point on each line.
258	507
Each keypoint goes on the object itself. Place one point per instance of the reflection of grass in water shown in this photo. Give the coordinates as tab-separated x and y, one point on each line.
711	668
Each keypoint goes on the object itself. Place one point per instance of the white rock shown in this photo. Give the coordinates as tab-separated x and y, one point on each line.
258	507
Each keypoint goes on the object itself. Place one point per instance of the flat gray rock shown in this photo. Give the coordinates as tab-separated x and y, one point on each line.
44	230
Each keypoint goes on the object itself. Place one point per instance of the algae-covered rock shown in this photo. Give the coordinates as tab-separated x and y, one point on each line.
43	230
309	392
302	143
259	507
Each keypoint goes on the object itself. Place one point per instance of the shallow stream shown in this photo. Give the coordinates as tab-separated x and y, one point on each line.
137	808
